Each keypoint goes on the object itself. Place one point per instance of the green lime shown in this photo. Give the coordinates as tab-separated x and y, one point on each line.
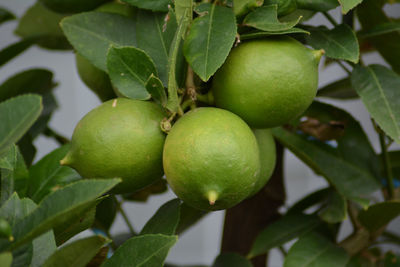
120	138
211	159
267	82
5	230
266	145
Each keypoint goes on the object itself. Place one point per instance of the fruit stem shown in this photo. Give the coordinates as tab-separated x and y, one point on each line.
318	54
58	137
212	197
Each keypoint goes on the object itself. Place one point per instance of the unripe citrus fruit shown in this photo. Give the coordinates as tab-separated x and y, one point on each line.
267	82
211	159
120	138
266	146
94	78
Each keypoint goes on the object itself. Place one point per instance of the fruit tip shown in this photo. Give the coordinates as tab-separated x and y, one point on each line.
318	54
11	238
212	197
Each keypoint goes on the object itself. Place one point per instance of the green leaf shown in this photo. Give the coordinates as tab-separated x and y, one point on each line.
48	175
348	5
143	250
156	89
254	35
71	6
129	68
92	34
351	180
379	215
315	250
266	19
370	14
383	28
78	253
188	217
173	101
378	89
43	247
241	7
335	210
282	231
309	201
210	39
165	220
154	36
317	5
17	115
105	214
340	89
38	81
61	206
153	5
13	50
6	259
5	15
339	43
43	24
14	177
180	8
230	260
73	227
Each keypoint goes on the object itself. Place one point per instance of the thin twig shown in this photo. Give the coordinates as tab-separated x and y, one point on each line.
343	67
330	18
124	216
53	134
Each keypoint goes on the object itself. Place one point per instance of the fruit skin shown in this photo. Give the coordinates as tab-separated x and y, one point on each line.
267	82
211	159
94	78
120	138
266	146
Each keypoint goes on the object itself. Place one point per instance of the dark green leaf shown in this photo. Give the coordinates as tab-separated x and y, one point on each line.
129	68
188	217
154	5
6	259
282	231
335	210
378	88
231	260
266	19
154	36
309	201
17	115
15	176
370	14
339	43
43	24
143	250
106	211
210	39
340	89
92	34
74	226
347	5
315	250
28	150
78	253
165	220
317	5
383	28
241	7
158	187
72	6
351	180
48	175
254	35
22	256
38	81
5	15
61	206
173	101
380	214
43	247
156	89
13	50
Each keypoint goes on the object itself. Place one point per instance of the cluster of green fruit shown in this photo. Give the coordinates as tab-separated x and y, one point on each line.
213	157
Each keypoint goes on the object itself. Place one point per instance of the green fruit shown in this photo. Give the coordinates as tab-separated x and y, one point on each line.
120	138
267	82
5	230
266	145
211	159
284	6
94	78
72	6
